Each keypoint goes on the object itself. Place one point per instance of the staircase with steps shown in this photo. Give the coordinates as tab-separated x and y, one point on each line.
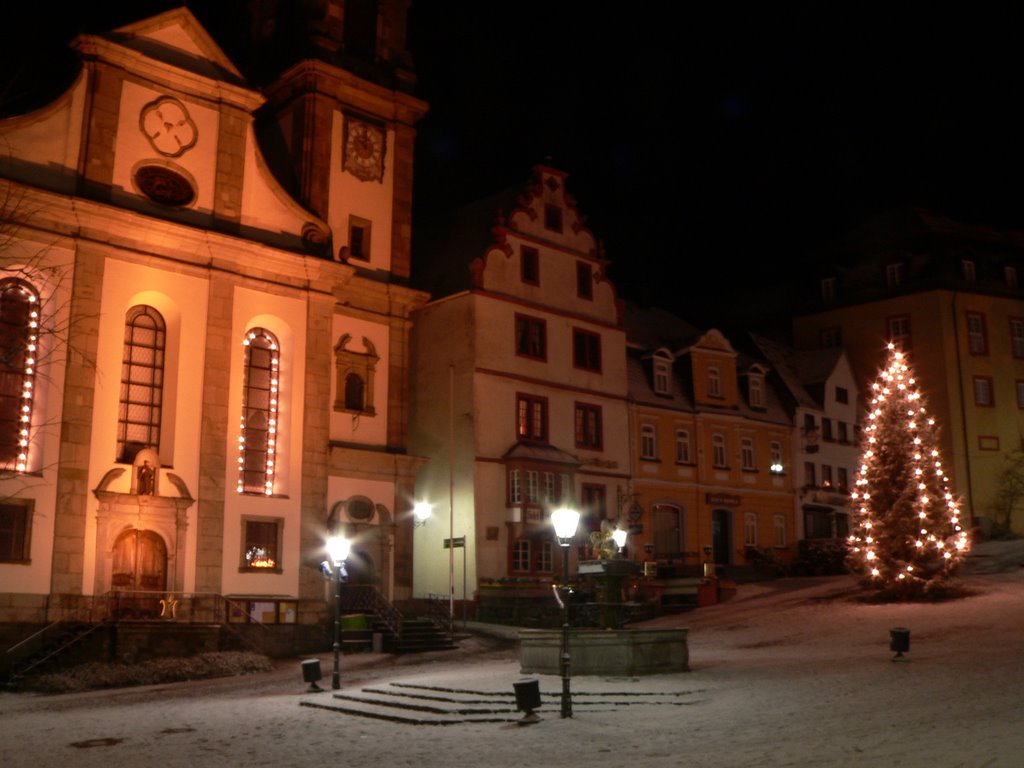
44	647
400	634
412	704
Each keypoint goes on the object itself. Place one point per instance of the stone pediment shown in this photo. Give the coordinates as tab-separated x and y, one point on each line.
176	37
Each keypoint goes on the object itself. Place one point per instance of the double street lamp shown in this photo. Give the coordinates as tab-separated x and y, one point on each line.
565	521
338	548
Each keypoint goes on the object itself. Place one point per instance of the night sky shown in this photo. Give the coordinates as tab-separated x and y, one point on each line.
716	148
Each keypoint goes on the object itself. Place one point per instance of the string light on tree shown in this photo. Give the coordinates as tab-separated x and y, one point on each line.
907	534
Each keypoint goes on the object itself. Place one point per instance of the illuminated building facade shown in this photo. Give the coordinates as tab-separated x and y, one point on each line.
519	391
711	447
948	295
206	366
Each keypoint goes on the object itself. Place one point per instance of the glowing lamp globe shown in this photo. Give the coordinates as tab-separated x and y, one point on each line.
565	521
338	548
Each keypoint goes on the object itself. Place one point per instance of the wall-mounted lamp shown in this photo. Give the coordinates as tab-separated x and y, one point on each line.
421	512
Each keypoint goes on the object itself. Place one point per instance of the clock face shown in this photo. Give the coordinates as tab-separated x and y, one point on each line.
364	150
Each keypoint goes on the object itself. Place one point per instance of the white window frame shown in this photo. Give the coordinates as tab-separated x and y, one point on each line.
977	337
661	377
747	455
756	390
750	529
515	492
970	273
983	394
893	274
779	525
899	331
719	453
684	450
714	381
1017	336
648	442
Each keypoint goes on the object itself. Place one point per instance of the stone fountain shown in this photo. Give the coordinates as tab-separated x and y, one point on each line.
609	650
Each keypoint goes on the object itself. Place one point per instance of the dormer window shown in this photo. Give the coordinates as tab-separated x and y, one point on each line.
828	289
756	391
968	269
661	377
1010	275
714	381
893	274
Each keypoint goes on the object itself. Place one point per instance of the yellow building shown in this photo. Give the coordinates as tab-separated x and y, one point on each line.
710	447
948	295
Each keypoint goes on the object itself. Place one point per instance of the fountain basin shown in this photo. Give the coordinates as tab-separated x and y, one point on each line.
605	652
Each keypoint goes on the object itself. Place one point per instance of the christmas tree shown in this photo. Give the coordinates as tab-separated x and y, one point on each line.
907	535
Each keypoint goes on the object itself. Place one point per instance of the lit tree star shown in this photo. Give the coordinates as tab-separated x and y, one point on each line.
907	534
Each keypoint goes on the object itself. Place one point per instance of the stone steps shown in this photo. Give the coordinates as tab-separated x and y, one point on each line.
437	705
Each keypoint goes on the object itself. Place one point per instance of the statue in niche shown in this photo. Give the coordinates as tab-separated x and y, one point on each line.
147	479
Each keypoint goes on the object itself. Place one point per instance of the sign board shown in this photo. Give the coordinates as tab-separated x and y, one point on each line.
725	499
456	542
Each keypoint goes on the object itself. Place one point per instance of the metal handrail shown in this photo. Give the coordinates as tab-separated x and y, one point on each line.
439	613
366	597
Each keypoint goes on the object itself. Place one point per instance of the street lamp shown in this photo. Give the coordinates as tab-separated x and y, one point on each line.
338	548
565	521
619	537
421	512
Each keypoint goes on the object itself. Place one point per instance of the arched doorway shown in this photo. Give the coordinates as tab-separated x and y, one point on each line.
360	568
139	562
721	535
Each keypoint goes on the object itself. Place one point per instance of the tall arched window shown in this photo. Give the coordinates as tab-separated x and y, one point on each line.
257	444
142	382
19	337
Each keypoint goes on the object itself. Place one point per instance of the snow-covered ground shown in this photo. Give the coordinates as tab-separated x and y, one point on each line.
788	673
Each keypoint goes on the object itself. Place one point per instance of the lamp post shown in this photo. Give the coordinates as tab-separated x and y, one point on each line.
338	548
565	521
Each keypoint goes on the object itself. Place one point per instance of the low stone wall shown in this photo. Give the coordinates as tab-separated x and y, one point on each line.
605	651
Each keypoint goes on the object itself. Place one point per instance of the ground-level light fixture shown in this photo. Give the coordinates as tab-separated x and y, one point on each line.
899	641
338	549
565	522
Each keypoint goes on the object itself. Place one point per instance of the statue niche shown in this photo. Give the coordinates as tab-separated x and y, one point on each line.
354	372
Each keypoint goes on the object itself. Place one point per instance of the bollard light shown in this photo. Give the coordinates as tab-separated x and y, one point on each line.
899	641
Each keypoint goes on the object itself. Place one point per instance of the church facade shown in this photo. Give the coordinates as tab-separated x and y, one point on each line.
205	370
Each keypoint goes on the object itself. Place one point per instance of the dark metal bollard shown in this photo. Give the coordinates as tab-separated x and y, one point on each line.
311	674
899	641
527	699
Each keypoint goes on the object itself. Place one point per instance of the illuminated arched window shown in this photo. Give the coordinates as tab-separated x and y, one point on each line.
19	336
257	444
142	382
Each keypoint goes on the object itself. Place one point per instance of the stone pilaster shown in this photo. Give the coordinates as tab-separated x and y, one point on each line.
227	203
401	218
213	442
97	168
71	512
315	438
398	382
